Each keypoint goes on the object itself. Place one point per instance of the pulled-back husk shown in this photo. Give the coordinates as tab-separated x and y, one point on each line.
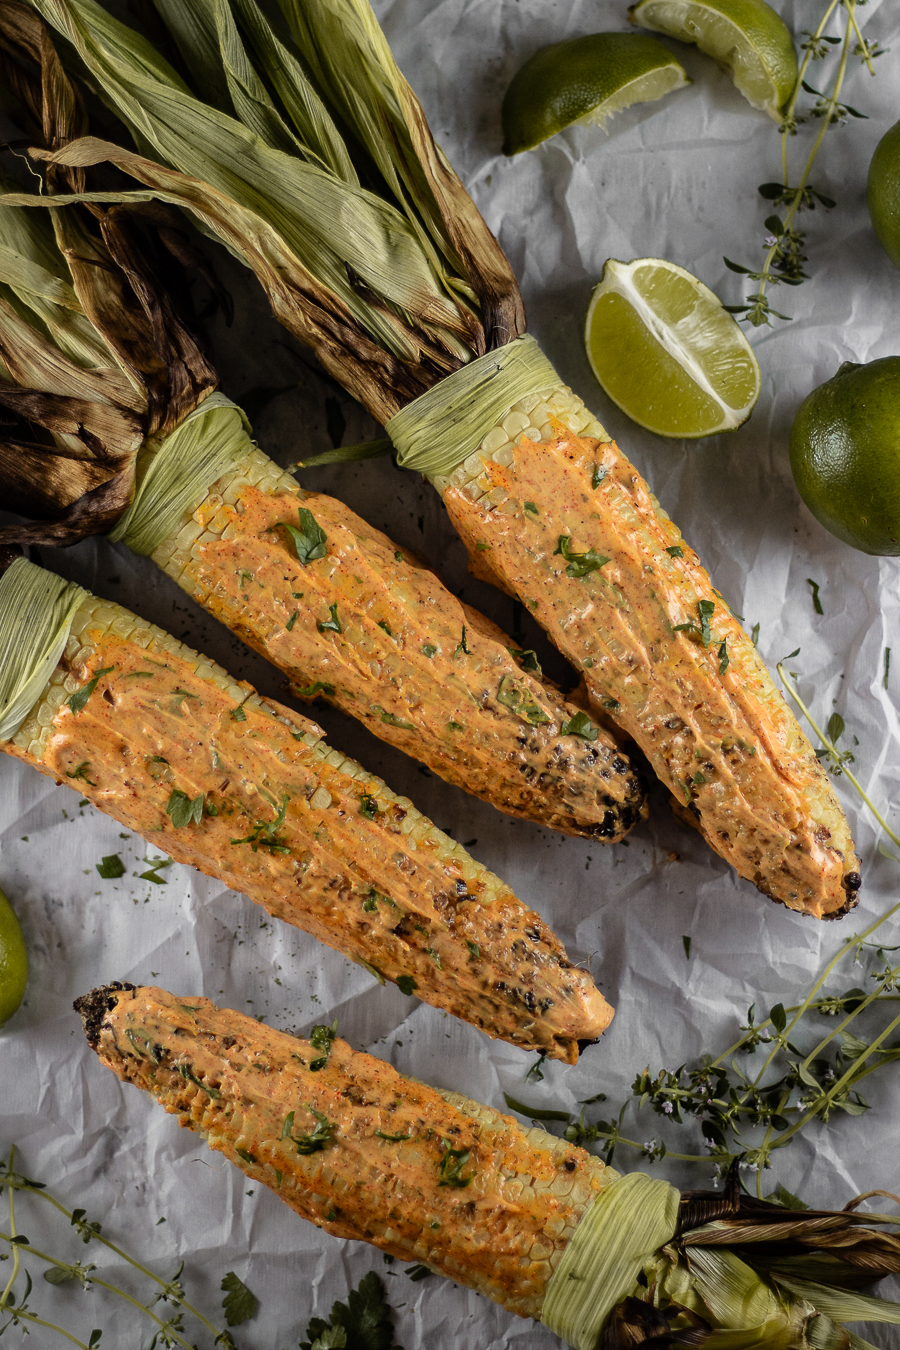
93	357
36	611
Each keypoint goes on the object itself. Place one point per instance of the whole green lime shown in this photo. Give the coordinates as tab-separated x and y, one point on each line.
883	192
13	961
845	455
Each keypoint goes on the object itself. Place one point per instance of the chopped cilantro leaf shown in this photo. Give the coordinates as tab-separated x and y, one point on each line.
483	546
292	620
111	867
462	646
332	625
398	556
429	650
676	551
579	565
239	713
317	687
451	1166
239	1304
724	658
419	1272
579	725
81	772
264	834
322	1038
310	539
474	950
184	809
531	509
391	719
155	866
386	627
817	603
406	984
518	699
597	477
527	659
368	806
392	1138
313	1142
78	700
611	704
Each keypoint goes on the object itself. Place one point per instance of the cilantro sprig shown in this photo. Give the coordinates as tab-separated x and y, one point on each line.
309	539
362	1323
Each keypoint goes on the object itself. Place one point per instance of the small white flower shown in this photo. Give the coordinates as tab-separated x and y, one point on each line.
770	241
667	1107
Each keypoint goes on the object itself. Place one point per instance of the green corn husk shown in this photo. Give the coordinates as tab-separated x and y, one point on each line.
36	611
393	288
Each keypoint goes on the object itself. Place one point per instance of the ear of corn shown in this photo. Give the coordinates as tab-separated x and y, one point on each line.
367	626
425	1176
367	1154
608	575
168	744
658	647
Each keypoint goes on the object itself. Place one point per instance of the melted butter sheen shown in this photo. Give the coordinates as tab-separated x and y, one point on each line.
236	1081
290	831
722	740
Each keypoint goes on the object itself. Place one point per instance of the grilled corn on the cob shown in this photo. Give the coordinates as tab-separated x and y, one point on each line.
424	1175
535	1223
245	790
369	627
609	576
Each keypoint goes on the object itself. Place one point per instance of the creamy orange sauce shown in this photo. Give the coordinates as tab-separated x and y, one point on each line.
715	730
238	1081
317	847
419	668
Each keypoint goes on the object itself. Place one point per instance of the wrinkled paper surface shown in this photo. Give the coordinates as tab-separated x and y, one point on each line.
676	179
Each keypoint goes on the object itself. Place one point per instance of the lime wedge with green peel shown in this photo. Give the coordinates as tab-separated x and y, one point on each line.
746	37
845	455
13	961
883	192
585	79
667	352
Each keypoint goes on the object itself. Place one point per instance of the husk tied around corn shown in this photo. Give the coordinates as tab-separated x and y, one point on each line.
360	622
368	1154
705	713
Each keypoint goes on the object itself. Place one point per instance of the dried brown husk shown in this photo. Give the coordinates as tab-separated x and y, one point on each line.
804	1265
80	412
388	334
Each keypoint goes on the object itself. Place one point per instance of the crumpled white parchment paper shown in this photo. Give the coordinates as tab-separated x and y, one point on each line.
676	179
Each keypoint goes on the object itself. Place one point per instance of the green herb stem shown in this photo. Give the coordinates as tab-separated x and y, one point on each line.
833	750
169	1288
174	1337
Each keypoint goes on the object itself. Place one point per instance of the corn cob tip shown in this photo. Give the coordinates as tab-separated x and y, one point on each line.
93	1007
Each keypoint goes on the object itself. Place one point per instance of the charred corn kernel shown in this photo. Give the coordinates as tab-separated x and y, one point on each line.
371	629
495	1214
298	827
625	598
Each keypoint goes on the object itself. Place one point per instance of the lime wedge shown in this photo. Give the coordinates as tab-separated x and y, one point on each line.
585	79
666	351
746	37
13	961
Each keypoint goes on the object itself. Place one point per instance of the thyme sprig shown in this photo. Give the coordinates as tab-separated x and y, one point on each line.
746	1114
18	1312
784	242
